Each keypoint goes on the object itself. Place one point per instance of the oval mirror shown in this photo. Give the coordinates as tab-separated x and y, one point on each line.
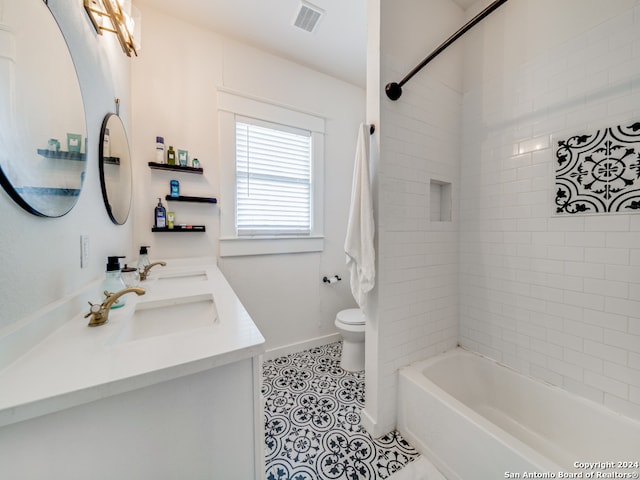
115	169
42	121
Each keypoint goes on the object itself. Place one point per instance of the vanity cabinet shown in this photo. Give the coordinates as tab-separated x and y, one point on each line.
136	399
199	426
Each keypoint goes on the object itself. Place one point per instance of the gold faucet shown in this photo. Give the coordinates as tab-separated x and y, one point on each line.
144	273
100	313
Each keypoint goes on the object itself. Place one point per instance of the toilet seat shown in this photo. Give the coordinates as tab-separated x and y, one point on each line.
351	316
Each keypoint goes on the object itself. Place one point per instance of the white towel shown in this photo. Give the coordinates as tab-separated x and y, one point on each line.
358	244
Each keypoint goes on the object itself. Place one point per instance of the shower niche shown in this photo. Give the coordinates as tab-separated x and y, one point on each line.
440	198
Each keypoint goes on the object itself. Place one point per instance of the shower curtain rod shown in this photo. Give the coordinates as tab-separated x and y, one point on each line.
394	90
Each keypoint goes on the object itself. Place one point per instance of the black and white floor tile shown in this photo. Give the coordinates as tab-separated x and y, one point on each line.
312	422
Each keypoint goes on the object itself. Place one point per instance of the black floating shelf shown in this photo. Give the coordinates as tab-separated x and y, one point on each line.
175	168
112	160
179	228
185	198
80	157
60	192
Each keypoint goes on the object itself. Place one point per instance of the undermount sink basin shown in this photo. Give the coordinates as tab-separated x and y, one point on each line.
183	276
169	316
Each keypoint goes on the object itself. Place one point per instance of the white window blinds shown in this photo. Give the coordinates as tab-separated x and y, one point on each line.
273	179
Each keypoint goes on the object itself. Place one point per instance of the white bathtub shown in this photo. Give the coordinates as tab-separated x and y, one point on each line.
477	420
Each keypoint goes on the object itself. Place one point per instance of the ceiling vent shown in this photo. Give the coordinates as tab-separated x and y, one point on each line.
308	17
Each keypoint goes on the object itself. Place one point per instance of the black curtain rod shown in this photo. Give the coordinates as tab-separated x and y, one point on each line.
394	90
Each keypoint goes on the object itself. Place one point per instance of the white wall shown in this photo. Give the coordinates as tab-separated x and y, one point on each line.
415	303
174	89
557	298
41	256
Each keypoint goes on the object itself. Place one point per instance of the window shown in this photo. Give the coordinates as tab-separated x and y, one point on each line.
272	177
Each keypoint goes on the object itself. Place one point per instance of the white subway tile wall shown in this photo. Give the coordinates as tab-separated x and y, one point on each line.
418	238
557	298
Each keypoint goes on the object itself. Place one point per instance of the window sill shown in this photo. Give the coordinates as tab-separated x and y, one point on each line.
235	247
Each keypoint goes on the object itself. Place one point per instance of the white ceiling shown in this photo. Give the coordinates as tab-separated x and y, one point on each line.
336	47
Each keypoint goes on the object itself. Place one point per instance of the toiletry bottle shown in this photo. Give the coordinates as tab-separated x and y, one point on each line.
130	276
106	144
143	257
174	187
171	156
113	280
160	215
159	149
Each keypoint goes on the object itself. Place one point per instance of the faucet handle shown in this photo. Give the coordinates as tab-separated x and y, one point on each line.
96	312
93	309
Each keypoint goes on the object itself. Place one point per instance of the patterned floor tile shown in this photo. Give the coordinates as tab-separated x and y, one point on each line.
312	422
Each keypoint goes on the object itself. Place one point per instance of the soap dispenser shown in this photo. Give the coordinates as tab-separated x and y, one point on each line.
113	280
143	258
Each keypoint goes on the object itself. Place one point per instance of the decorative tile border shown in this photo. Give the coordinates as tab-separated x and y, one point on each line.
312	422
599	173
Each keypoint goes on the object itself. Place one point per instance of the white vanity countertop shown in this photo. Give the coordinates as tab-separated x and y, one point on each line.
77	364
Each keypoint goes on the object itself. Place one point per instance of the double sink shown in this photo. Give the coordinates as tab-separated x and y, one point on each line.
169	306
189	320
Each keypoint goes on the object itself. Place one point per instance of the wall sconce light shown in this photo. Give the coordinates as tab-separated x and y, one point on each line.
113	16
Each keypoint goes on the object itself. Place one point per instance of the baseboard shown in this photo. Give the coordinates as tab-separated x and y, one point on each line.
300	346
367	422
372	427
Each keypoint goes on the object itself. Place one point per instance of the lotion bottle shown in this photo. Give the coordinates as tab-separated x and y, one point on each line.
160	215
159	149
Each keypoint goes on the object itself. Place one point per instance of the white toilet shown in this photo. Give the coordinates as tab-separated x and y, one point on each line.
351	324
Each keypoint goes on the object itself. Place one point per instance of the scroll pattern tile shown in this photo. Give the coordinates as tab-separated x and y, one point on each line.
312	422
599	172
